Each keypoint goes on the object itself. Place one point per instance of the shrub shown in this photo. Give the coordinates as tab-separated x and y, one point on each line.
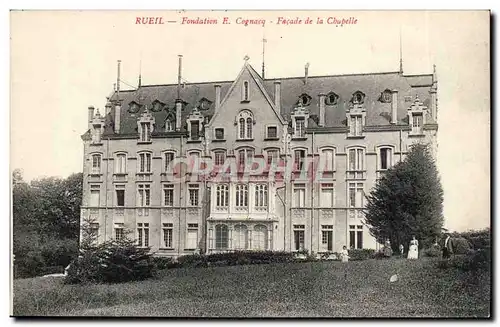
434	251
111	262
361	254
163	262
461	245
473	261
234	258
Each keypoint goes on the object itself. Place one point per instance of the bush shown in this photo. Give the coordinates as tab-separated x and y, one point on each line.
361	254
480	239
111	262
475	260
460	245
434	251
163	262
234	258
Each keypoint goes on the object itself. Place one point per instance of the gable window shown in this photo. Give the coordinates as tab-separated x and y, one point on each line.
326	197
356	195
120	195
272	156
300	127
195	130
169	157
327	159
121	163
245	125
219	133
168	195
245	93
144	162
145	132
219	157
241	196
222	195
144	193
299	159
192	236
356	125
356	159
194	192
385	158
96	164
417	123
299	195
169	126
168	231
143	234
221	237
272	132
261	196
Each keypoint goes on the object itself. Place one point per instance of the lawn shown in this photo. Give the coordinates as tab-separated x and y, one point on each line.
309	289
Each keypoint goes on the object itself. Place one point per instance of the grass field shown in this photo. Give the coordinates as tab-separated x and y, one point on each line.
312	289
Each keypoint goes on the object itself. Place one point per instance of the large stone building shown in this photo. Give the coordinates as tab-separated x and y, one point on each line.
153	159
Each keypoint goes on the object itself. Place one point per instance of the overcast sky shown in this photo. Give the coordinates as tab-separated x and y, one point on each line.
62	62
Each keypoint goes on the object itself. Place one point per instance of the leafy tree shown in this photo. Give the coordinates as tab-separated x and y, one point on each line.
407	201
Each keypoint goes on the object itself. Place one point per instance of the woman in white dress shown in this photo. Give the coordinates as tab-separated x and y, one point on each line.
344	254
413	249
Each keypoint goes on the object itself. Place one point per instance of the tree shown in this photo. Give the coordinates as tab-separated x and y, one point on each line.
407	201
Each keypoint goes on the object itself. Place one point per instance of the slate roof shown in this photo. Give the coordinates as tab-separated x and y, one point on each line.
372	85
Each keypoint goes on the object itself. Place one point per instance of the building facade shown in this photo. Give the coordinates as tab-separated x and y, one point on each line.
257	164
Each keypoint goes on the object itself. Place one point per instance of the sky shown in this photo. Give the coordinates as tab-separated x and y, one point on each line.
64	61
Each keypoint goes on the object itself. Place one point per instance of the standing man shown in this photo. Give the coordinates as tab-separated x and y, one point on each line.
401	249
447	249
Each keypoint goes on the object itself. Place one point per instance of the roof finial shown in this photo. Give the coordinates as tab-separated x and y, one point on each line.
400	52
264	41
140	71
246	58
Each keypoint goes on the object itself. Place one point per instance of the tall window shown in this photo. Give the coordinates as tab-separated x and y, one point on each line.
327	157
195	129
194	192
121	163
143	234
245	156
95	192
299	159
96	164
245	91
168	231
192	236
272	132
327	193
220	157
240	237
144	191
145	132
356	159
241	195
356	236
385	158
119	232
221	237
169	157
169	126
417	124
144	162
327	237
298	237
356	125
299	195
259	241
222	195
272	156
168	195
245	125
120	195
261	195
356	195
300	127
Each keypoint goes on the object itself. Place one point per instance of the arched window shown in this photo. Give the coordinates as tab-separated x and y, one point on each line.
261	195
219	157
221	237
144	162
240	237
222	195
245	156
260	237
245	125
241	196
96	164
121	163
327	159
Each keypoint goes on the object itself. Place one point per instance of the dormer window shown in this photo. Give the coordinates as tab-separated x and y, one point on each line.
205	104
386	96
145	125
304	100
245	125
300	127
416	117
145	132
331	99
169	125
195	124
195	130
134	107
157	106
416	126
358	97
300	115
245	94
97	128
355	125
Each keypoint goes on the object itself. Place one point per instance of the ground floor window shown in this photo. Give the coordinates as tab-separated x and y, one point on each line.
260	237
143	234
168	230
119	233
327	237
356	236
240	237
221	237
298	237
192	236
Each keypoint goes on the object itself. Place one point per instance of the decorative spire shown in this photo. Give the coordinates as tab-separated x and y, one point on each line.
400	53
264	41
246	58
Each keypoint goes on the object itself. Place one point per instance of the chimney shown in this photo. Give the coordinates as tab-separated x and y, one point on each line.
118	109
108	107
118	78
90	116
178	109
394	107
306	73
179	78
217	97
433	93
277	95
322	110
